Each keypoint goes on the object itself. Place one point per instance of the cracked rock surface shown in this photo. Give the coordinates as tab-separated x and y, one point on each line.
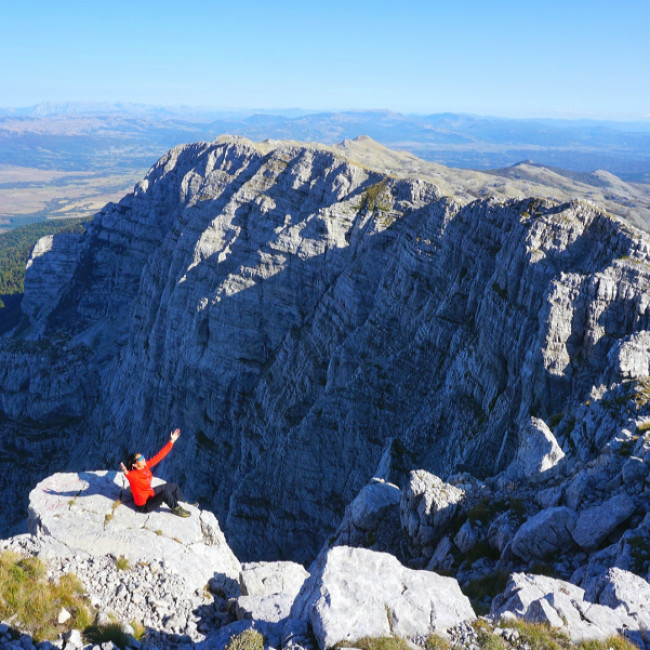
82	514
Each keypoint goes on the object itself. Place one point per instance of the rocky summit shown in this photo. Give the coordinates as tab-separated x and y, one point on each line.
360	354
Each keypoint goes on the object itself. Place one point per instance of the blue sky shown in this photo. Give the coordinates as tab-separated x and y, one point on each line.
519	59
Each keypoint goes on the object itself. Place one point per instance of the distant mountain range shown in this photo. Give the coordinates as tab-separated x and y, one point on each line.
109	137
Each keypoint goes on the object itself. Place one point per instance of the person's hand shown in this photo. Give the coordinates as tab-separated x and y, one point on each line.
174	435
123	466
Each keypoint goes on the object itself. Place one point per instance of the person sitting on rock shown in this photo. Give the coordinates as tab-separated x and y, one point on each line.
145	497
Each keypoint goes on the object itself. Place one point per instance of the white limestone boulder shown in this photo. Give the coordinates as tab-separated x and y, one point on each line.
547	532
91	513
540	599
618	588
372	519
631	356
502	530
269	590
368	507
539	455
354	593
594	524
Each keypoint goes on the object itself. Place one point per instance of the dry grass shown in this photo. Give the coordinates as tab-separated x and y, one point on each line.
98	634
33	603
376	643
247	640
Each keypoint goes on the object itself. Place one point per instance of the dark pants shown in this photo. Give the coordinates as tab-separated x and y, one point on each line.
168	493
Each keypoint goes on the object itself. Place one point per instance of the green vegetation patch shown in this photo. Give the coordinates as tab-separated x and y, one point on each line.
122	563
377	643
644	427
371	198
540	636
487	639
435	642
633	394
34	603
16	245
98	634
613	643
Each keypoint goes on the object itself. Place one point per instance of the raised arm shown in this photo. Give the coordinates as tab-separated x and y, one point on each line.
173	437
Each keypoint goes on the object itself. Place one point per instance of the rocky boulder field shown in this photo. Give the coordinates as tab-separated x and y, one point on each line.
179	579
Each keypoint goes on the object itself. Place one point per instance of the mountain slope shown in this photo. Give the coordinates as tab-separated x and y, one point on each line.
303	312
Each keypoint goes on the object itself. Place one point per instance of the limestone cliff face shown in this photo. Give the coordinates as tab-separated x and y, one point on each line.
298	314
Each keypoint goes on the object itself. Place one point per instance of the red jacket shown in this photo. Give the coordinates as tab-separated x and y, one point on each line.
140	479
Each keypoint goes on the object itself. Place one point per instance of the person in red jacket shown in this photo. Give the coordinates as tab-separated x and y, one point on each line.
145	497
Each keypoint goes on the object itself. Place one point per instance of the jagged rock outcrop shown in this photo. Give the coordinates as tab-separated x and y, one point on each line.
540	599
292	311
427	508
85	523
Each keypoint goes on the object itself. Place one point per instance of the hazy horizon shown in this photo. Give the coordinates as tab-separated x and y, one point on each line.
57	108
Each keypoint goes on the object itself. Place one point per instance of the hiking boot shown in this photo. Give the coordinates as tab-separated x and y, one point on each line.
180	512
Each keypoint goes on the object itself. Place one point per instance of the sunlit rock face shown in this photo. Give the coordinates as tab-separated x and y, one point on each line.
300	316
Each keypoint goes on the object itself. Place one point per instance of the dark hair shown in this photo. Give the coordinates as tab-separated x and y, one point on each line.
131	460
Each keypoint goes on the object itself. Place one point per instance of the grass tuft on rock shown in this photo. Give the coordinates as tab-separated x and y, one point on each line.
613	643
122	563
436	642
487	639
540	636
378	643
247	640
99	634
34	603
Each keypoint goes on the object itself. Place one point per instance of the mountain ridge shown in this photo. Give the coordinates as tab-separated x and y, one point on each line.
303	316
